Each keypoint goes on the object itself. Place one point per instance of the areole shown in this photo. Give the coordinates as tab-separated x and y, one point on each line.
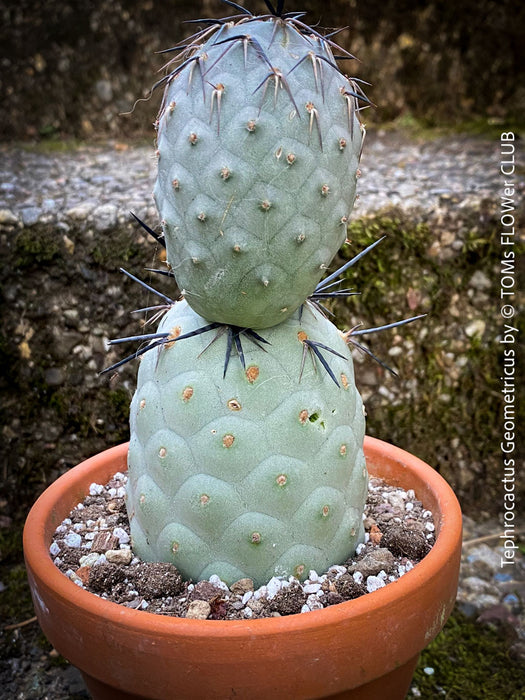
362	649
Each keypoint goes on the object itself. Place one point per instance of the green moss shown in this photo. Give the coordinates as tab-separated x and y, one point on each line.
447	415
112	250
470	661
15	602
36	247
429	129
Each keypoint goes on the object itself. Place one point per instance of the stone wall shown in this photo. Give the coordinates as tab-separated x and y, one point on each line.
73	68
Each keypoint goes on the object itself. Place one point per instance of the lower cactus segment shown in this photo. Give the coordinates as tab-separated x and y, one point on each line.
254	474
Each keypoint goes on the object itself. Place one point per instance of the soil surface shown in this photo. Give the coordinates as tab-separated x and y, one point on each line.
92	547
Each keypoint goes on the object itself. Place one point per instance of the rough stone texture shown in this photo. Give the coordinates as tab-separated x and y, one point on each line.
74	68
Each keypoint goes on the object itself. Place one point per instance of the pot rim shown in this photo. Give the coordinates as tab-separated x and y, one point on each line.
448	528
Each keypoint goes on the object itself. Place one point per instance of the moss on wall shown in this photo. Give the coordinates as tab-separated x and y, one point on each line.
445	405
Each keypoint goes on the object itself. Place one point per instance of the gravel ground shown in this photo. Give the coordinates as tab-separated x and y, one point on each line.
95	188
98	186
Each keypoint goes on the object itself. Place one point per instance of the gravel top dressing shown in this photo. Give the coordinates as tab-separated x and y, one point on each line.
92	547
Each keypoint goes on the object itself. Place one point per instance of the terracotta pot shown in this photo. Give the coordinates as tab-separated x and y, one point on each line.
362	649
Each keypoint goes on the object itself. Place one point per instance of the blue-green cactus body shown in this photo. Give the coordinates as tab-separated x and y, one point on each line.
258	146
256	474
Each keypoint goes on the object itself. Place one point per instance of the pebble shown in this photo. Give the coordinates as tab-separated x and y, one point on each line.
89	559
30	215
198	610
73	539
7	217
374	583
119	556
476	328
374	562
273	586
122	536
105	217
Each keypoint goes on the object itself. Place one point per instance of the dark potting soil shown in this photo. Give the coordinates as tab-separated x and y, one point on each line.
92	547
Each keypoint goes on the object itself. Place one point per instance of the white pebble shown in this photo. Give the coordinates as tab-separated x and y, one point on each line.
313	602
119	476
428	670
61	529
66	521
305	608
80	506
337	569
89	536
95	489
374	583
112	492
260	593
57	561
409	565
311	588
122	535
430	527
78	527
144	605
361	547
313	576
358	577
54	549
89	559
411	494
121	492
217	582
409	506
248	612
246	597
382	574
427	513
73	539
273	587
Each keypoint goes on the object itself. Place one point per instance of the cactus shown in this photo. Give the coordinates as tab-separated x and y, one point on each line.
256	474
258	147
251	466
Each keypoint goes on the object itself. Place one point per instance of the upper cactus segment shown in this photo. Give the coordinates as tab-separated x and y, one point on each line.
258	144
